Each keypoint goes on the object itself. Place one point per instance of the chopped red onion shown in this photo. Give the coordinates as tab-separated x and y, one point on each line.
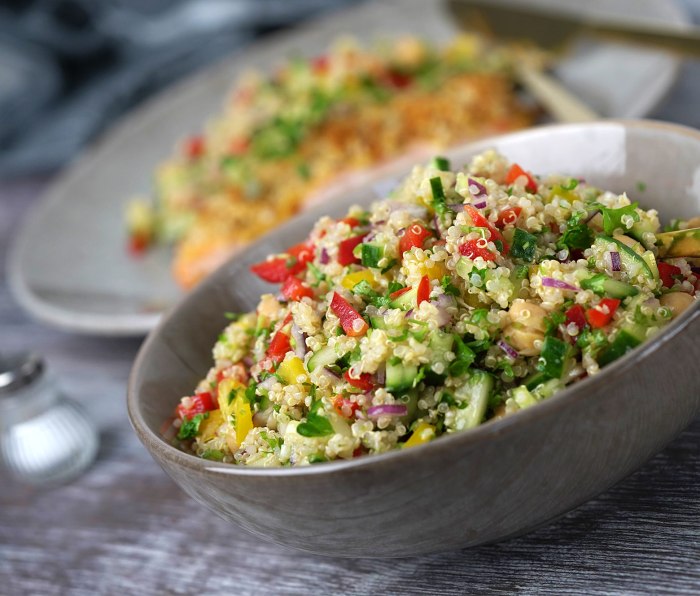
411	208
480	205
615	263
456	207
441	303
299	340
387	410
550	282
477	190
510	351
268	383
248	361
408	314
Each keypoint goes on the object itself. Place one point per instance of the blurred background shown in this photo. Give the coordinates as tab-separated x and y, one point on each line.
68	67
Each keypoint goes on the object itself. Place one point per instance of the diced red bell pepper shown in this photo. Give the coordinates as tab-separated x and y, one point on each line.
198	404
600	315
398	80
515	172
414	235
138	243
398	293
353	222
345	248
667	273
278	269
508	216
479	221
364	381
345	407
577	315
320	64
351	321
471	249
194	147
279	346
423	292
294	289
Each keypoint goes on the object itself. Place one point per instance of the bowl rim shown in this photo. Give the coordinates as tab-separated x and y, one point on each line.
508	424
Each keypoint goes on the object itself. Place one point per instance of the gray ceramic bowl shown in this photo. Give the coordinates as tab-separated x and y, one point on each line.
486	484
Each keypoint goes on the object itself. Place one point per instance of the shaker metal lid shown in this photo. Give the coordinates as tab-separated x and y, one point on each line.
18	370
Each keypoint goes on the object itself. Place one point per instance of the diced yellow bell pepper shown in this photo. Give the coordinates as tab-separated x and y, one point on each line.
292	371
437	271
209	426
228	388
352	279
423	433
243	416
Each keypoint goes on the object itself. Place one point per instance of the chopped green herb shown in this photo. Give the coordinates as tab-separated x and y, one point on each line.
316	459
570	185
190	426
641	186
233	316
441	163
577	234
612	218
448	286
439	201
553	321
464	358
304	171
524	245
315	425
250	392
213	454
316	272
365	290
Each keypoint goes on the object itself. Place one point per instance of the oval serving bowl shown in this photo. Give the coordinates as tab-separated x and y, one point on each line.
498	480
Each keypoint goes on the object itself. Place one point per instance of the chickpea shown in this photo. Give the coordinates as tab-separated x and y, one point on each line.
677	302
523	339
528	314
694	222
526	328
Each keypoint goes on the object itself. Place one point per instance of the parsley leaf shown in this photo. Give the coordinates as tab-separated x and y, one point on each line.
190	426
365	290
552	322
464	358
448	286
612	218
577	234
524	245
315	425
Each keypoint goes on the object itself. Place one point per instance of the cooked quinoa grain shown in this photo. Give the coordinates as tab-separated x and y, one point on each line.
464	296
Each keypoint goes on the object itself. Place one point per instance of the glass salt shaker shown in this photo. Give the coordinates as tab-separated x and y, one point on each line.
44	437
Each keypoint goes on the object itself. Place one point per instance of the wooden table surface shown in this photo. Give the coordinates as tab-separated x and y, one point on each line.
125	528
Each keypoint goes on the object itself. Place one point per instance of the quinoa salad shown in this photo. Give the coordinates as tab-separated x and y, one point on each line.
284	138
463	297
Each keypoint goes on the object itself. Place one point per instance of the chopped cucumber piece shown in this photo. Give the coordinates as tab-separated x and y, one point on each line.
553	358
400	377
522	397
477	390
627	338
323	357
632	263
604	285
371	255
407	300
